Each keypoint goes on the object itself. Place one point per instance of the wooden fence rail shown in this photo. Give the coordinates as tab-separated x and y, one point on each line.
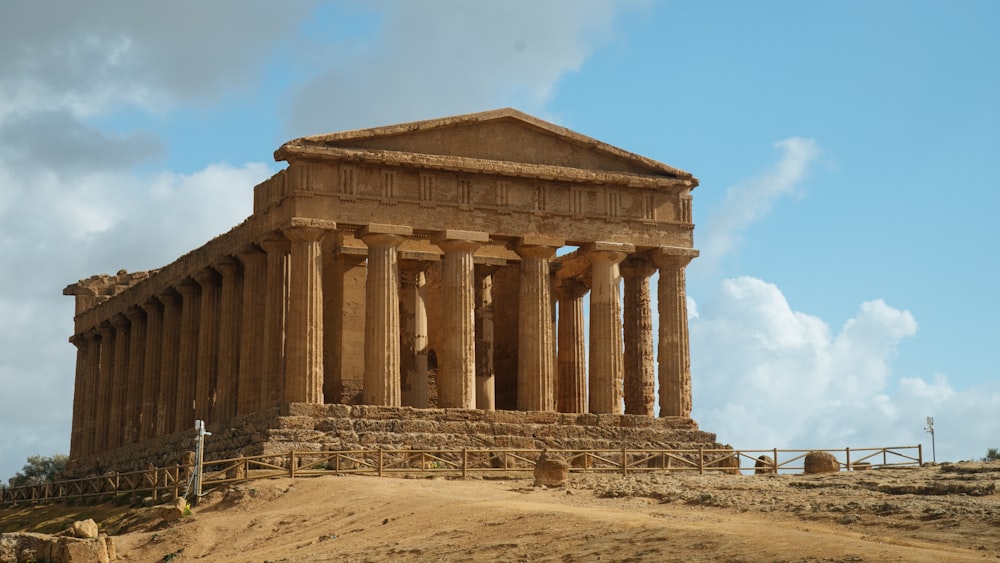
171	482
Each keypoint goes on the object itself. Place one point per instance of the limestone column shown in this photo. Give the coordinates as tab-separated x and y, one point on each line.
119	379
536	349
485	375
166	401
344	277
134	382
456	377
151	368
413	332
640	374
252	331
674	354
79	395
382	355
229	338
571	387
187	356
304	346
208	345
606	358
91	406
275	308
105	384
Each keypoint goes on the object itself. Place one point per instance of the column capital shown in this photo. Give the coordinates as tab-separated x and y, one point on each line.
251	253
275	242
207	277
378	234
636	265
79	340
227	266
612	251
571	288
119	321
135	313
187	288
308	230
169	296
674	256
536	246
308	223
457	239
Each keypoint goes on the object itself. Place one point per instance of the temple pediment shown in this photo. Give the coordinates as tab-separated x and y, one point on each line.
504	135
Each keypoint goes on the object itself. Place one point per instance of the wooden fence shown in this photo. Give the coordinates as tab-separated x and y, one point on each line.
171	482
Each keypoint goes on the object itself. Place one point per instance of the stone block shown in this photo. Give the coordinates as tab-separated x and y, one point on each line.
25	546
74	550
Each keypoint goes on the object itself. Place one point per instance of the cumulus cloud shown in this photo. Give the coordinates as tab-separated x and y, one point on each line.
766	375
443	57
750	201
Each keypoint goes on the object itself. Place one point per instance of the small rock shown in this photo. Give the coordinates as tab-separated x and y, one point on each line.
85	529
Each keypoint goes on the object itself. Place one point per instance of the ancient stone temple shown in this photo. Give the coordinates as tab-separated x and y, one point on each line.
443	265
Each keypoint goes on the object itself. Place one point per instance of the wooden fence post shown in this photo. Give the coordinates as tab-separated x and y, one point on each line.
920	454
847	451
465	463
291	464
380	462
701	461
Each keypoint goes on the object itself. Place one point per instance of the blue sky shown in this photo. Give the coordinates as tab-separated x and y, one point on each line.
846	152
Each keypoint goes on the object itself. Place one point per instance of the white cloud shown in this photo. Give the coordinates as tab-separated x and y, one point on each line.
444	57
750	201
768	376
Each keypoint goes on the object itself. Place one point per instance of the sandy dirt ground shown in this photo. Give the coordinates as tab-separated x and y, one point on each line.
938	513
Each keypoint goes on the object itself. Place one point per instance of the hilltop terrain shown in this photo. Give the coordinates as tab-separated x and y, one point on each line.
949	512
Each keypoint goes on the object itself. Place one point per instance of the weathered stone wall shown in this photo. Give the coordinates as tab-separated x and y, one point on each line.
310	427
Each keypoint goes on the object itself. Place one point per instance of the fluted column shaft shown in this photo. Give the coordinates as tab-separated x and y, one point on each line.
134	380
413	334
485	376
92	405
640	373
571	387
79	395
456	378
304	346
536	349
187	365
252	321
674	355
208	345
229	339
151	368
166	401
606	361
382	355
105	384
116	419
275	309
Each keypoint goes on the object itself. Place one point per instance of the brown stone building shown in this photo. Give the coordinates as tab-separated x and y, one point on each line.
442	264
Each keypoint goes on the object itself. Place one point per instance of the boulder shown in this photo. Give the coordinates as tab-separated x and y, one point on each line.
764	465
550	471
729	464
821	462
85	529
175	510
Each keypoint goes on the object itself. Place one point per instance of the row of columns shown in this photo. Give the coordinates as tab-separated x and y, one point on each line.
247	333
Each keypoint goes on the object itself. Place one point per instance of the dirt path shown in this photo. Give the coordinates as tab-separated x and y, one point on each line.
648	517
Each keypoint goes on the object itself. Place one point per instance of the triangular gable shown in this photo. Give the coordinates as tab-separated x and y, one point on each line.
503	135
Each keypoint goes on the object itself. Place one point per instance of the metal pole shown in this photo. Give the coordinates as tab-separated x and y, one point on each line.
199	453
